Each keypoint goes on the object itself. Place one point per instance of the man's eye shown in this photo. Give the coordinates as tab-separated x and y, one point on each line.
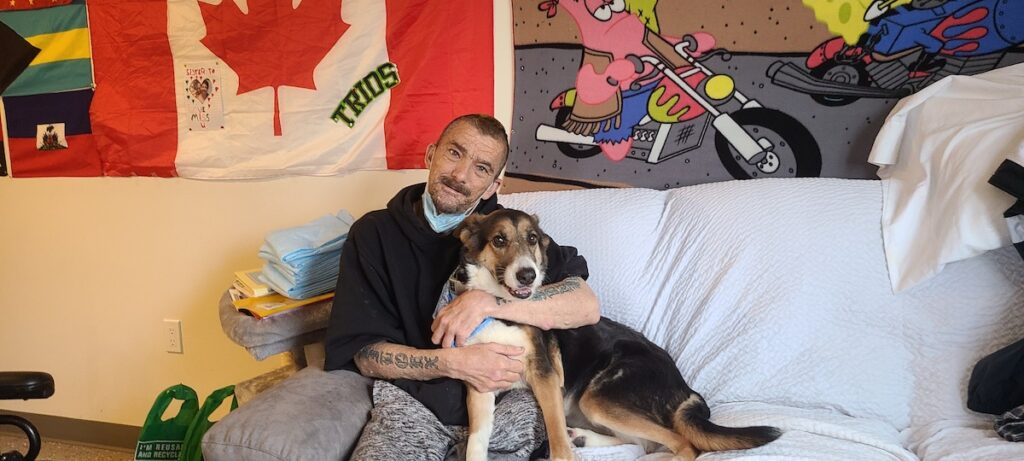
454	153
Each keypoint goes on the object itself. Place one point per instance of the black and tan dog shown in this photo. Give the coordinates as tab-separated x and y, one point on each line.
604	378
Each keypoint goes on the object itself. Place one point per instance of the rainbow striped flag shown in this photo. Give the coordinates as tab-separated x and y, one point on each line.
64	62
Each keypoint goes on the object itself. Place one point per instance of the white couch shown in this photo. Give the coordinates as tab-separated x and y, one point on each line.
774	299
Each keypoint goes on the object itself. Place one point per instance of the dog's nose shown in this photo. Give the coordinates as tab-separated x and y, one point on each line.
526	275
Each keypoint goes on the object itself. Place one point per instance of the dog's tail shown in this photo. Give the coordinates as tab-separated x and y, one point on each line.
692	422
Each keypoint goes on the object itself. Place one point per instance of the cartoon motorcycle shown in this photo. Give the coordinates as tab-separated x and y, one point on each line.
906	49
751	141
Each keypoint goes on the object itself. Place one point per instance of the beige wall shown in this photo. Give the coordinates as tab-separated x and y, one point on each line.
89	268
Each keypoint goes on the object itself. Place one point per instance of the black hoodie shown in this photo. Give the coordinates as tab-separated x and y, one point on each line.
393	266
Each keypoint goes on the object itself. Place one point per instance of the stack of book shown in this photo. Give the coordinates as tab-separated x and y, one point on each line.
252	296
250	283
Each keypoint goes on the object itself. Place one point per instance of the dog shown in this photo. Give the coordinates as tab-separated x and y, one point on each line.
605	378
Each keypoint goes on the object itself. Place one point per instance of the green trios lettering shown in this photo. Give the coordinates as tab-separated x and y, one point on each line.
374	84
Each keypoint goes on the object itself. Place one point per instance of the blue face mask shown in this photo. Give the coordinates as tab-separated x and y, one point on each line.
442	223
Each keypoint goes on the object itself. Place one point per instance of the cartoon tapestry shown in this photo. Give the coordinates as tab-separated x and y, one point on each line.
239	88
668	93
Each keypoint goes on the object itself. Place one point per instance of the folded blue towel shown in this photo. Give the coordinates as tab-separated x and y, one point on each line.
281	284
312	265
304	278
302	261
322	235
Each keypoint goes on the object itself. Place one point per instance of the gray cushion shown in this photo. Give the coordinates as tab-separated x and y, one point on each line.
313	415
278	333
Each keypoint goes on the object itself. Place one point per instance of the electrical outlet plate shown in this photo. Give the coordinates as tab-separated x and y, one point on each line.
172	336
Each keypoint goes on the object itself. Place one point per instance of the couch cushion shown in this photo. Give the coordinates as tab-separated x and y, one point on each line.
313	415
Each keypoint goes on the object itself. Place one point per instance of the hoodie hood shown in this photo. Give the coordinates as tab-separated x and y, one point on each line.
406	208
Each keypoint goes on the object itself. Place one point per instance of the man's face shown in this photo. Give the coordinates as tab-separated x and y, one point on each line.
463	168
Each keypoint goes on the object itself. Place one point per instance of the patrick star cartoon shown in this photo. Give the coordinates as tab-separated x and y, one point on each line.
615	90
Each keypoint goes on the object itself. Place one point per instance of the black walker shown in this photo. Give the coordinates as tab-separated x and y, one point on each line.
24	385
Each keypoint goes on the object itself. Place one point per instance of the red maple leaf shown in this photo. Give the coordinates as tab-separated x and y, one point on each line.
274	44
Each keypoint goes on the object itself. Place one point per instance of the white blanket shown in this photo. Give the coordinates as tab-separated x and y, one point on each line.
776	292
809	435
936	151
967	439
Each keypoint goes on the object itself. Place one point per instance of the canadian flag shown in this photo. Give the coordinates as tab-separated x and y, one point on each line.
261	88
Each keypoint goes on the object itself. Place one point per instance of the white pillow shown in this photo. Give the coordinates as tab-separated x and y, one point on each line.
936	151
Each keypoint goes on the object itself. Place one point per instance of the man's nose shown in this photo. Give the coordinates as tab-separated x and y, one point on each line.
461	171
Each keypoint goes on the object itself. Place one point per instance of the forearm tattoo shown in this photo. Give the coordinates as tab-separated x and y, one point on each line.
545	292
398	359
565	286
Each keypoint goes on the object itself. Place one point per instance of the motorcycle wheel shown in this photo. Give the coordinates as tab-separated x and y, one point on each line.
850	74
795	147
573	150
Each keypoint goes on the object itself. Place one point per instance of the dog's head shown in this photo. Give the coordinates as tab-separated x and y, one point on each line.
504	253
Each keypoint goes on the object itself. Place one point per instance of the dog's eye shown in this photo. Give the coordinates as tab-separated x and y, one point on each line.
531	239
499	241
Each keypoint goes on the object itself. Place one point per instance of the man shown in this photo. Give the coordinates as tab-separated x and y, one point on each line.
396	261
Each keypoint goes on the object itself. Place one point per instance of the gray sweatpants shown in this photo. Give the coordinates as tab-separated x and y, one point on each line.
401	428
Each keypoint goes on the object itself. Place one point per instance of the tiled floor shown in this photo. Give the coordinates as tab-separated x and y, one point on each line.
55	450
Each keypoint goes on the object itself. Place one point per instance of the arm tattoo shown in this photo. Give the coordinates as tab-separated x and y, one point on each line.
399	360
548	291
565	286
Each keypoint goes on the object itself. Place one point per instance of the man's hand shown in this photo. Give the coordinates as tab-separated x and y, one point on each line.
488	367
461	316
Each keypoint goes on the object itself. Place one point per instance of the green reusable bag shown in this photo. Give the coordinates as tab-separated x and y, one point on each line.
192	449
159	438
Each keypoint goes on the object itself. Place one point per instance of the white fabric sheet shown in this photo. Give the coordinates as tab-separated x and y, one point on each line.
936	151
968	439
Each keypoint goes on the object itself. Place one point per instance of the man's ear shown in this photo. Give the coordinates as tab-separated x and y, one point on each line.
491	189
429	155
469	231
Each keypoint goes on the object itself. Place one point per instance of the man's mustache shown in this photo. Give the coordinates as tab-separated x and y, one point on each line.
451	184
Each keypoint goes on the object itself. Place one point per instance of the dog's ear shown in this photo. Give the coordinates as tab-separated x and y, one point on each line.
469	231
545	240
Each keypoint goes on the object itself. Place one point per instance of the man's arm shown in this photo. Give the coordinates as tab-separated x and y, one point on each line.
384	360
561	305
487	367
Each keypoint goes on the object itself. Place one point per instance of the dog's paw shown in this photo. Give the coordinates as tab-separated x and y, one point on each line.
578	439
583	438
